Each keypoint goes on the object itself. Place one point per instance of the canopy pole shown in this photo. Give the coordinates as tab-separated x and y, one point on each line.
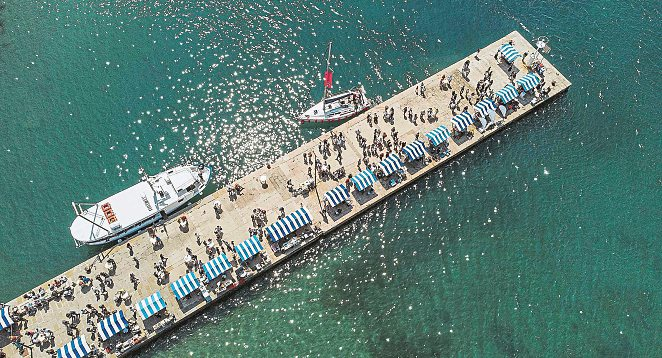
315	175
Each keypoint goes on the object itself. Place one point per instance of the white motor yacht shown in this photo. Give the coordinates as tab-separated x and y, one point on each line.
132	210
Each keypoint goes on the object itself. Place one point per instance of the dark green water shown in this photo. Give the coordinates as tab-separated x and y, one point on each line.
545	241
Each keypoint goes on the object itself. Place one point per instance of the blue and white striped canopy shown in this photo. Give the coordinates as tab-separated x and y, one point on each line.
112	325
150	305
485	106
217	266
509	52
337	195
414	150
391	164
77	348
438	135
185	285
5	319
364	179
289	224
528	82
462	121
249	248
507	93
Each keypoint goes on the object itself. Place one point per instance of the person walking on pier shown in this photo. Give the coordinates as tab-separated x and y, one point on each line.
164	259
111	263
134	280
73	315
466	69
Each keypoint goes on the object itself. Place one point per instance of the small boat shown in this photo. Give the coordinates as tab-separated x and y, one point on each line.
338	107
134	209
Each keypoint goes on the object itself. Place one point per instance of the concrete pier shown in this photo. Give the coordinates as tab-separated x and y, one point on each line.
235	217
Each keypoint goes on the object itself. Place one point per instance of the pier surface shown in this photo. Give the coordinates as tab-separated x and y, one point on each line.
235	217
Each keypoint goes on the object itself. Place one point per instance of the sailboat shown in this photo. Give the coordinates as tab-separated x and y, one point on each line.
336	107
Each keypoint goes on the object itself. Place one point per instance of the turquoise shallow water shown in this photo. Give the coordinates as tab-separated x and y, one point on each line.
544	241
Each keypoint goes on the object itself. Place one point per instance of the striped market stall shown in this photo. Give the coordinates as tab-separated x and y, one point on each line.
528	82
462	121
414	150
289	224
507	93
216	266
112	325
337	195
391	164
5	318
150	305
438	135
248	248
509	53
77	348
485	106
185	285
364	179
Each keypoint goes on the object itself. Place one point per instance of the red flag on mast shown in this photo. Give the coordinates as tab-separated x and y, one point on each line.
328	79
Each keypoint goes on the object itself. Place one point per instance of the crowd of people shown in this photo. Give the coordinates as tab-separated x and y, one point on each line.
59	288
482	90
104	280
430	115
160	270
259	217
387	116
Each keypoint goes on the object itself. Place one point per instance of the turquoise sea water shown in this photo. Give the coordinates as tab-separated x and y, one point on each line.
544	241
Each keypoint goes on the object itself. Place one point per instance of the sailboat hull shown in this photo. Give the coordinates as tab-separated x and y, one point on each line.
340	107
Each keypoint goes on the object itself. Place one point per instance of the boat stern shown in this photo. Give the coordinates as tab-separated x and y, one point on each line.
313	114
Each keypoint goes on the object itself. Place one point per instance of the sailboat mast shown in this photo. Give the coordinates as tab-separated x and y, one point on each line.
327	73
328	57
